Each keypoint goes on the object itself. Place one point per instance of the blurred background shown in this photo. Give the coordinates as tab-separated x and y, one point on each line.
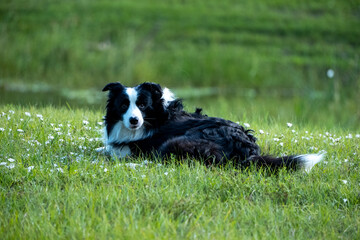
266	60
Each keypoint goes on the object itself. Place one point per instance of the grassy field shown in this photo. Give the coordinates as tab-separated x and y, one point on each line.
263	62
54	186
249	44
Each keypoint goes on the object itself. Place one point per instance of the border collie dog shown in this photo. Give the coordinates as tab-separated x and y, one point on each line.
148	119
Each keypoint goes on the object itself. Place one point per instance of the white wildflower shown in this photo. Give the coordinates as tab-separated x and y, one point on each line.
60	170
11	166
346	160
293	131
50	137
20	130
289	125
11	111
100	123
143	176
166	173
30	168
276	139
3	163
132	165
2	129
261	131
344	181
11	160
40	116
357	135
281	144
330	73
105	170
28	114
85	122
345	200
246	125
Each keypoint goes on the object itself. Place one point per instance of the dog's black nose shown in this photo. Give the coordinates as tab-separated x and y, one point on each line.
133	120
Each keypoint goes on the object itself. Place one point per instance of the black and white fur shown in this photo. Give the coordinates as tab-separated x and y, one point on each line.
147	119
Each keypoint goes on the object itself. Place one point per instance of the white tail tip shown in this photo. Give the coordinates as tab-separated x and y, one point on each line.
310	160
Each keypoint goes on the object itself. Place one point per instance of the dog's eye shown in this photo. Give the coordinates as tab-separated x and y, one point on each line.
124	106
141	106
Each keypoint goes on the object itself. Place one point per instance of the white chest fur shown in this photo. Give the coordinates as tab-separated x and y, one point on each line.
122	135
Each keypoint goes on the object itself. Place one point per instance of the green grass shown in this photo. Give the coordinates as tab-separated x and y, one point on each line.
262	44
72	192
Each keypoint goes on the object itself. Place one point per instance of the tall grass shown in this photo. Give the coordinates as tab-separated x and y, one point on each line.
262	44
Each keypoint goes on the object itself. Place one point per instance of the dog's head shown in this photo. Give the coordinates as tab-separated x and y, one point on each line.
136	107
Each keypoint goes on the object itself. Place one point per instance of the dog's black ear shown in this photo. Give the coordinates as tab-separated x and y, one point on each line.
112	86
154	88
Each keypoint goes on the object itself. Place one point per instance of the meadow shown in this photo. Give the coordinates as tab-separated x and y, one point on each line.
263	64
264	45
54	185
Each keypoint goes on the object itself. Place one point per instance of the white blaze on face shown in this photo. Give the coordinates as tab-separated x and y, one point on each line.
133	111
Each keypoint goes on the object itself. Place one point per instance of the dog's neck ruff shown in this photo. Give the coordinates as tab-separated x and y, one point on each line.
168	96
120	135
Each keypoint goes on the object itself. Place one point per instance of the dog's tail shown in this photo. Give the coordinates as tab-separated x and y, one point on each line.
294	162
